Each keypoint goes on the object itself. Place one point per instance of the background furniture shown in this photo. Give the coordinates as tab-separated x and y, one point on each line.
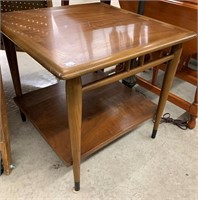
4	135
9	6
66	2
183	14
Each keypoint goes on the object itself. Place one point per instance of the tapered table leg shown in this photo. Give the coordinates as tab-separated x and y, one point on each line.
74	109
167	83
13	65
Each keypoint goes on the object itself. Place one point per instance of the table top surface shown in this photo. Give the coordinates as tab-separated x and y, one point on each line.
74	40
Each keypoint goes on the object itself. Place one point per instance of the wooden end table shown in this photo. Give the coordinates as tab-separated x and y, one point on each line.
89	109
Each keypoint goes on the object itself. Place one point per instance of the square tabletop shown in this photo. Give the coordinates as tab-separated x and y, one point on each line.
71	41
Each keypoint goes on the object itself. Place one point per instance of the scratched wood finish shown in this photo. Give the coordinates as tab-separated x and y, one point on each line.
4	134
104	36
107	115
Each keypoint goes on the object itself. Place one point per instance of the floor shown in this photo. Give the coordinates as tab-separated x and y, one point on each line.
135	167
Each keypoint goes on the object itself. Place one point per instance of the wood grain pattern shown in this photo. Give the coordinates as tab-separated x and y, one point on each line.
178	13
107	114
104	36
74	111
167	82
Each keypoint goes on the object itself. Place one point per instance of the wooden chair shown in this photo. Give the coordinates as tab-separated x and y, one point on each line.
179	13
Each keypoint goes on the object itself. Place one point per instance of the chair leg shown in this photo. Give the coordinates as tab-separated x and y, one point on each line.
193	112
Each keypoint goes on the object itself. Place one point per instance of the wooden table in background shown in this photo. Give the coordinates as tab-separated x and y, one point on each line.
75	43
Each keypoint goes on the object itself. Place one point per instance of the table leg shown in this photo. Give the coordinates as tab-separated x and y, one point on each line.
167	83
74	109
13	65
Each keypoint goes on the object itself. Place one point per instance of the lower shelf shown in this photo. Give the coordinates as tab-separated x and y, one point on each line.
108	113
